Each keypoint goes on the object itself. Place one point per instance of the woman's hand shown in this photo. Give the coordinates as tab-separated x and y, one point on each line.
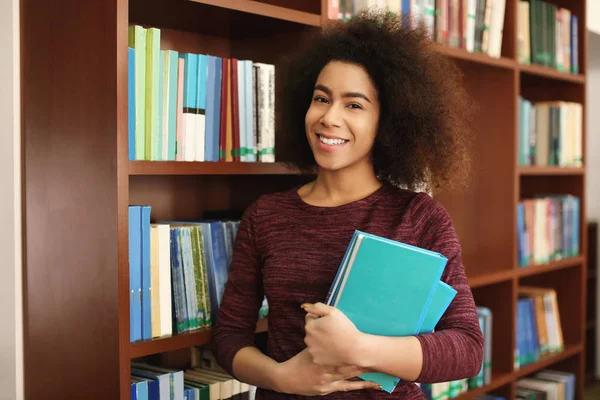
300	375
331	338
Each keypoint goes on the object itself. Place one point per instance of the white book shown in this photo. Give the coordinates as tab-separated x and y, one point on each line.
472	11
164	278
249	102
578	145
241	78
497	25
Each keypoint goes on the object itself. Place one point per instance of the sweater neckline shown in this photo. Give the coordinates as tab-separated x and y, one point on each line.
359	203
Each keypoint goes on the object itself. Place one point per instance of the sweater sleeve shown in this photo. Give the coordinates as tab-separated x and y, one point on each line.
455	349
238	313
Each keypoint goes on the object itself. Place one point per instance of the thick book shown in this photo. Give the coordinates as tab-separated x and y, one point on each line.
389	288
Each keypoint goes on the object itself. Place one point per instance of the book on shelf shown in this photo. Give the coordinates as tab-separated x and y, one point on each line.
204	379
550	133
378	276
547	229
178	271
197	107
538	328
472	25
548	383
547	36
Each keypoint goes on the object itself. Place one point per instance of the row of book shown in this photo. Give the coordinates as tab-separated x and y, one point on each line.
550	133
452	389
197	107
547	229
472	25
177	273
547	35
538	328
204	380
547	384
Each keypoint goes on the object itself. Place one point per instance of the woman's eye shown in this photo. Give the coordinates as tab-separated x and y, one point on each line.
354	105
320	99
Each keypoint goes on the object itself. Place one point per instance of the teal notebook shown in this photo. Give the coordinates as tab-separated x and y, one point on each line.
389	288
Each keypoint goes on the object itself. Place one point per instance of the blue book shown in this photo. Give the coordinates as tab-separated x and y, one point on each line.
377	278
135	273
133	391
131	103
153	390
142	389
440	302
181	320
146	306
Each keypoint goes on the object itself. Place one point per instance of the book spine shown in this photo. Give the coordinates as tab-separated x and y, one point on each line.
146	276
131	104
135	273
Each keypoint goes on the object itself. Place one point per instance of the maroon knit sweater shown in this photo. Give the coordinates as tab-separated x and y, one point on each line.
290	251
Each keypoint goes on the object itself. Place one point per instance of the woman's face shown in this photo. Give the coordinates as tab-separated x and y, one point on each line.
342	120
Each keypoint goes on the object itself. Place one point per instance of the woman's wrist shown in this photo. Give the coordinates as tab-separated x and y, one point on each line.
361	354
279	378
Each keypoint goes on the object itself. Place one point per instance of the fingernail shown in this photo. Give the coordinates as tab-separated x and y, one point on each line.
379	387
305	305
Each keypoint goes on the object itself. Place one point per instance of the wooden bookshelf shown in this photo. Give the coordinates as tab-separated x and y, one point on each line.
78	182
550	171
180	341
551	74
207	168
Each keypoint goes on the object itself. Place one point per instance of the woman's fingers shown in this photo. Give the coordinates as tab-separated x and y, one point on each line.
346	386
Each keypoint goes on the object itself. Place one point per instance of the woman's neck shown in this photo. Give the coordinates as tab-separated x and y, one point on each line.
334	188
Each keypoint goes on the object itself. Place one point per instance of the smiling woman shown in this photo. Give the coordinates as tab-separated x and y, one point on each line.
341	122
369	106
422	125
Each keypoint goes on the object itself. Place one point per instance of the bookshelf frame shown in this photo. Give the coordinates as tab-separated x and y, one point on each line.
77	178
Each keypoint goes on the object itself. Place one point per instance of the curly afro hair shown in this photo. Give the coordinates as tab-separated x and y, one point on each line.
423	136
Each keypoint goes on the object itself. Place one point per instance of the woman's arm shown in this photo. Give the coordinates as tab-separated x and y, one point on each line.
454	351
233	336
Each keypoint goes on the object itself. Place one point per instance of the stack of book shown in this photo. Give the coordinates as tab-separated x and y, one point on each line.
550	133
547	35
197	107
538	330
377	277
547	229
198	382
547	384
472	25
178	271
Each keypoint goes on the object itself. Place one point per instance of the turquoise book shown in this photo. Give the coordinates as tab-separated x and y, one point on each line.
389	288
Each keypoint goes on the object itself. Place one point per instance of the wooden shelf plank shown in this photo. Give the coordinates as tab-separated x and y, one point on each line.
497	381
479	58
548	360
490	278
207	168
550	73
551	170
266	10
553	266
180	341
